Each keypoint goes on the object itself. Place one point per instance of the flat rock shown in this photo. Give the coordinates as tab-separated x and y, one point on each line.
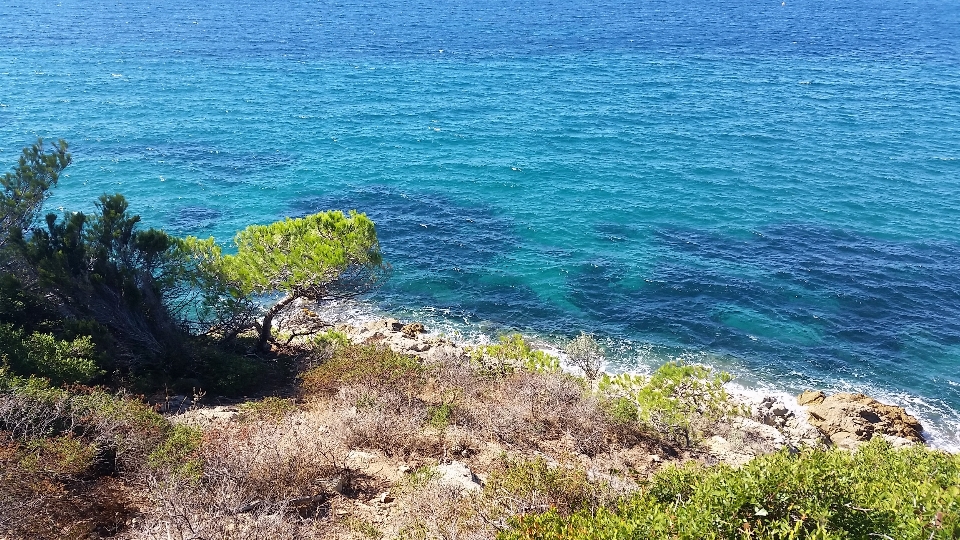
849	419
457	475
810	397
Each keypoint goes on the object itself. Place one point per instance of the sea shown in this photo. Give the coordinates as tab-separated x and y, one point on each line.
771	188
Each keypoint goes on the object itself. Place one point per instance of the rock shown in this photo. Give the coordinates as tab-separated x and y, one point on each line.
420	347
849	419
772	412
756	438
811	397
392	325
898	442
457	475
413	329
332	484
176	404
206	416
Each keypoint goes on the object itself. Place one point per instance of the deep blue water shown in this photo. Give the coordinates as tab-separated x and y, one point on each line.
768	187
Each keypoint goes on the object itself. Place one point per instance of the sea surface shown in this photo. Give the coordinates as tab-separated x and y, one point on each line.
768	187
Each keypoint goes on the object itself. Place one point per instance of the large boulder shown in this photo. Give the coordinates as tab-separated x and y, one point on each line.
849	419
457	476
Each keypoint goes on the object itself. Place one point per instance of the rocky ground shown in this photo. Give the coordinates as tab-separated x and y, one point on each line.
389	501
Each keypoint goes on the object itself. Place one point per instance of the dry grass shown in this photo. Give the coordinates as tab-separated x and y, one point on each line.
283	468
256	480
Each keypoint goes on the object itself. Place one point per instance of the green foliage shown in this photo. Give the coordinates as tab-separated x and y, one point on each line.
118	426
526	486
586	354
23	191
63	455
269	408
624	410
670	399
310	253
364	364
319	257
198	291
329	341
439	416
511	353
876	492
179	452
21	307
61	361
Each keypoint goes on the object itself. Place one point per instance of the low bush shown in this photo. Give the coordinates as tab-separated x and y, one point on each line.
37	353
679	402
511	353
268	408
364	364
585	354
876	492
123	429
382	418
178	454
256	480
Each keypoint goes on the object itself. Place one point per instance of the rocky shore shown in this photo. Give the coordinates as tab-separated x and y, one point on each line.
816	420
461	451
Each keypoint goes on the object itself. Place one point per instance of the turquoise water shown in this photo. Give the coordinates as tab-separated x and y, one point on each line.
769	188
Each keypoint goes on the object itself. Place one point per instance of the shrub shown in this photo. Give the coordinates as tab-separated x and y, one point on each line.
381	418
123	430
511	353
269	408
61	361
178	453
876	492
585	354
526	486
329	341
364	364
677	401
257	480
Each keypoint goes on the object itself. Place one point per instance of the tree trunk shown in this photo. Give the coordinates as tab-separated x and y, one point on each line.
266	327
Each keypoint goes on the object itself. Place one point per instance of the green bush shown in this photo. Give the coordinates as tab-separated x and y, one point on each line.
511	353
41	354
179	452
269	408
123	430
364	364
876	492
329	341
532	486
440	415
671	400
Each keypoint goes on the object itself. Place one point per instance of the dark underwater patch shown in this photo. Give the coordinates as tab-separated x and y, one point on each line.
193	218
796	294
447	252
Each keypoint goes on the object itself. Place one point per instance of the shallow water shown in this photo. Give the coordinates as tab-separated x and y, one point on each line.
769	188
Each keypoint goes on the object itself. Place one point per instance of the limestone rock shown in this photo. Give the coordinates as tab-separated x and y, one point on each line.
772	412
809	397
849	419
457	475
413	329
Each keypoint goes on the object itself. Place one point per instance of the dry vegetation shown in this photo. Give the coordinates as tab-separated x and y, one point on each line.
361	450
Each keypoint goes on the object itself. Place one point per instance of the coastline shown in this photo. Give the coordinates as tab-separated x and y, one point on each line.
753	394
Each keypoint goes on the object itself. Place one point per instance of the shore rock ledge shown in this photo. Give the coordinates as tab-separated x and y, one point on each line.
849	419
